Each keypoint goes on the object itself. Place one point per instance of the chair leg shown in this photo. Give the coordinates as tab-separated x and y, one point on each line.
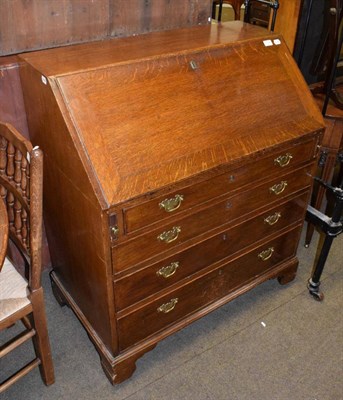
220	10
41	339
214	5
237	12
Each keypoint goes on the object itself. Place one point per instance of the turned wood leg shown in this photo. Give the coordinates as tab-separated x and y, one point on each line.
41	339
237	11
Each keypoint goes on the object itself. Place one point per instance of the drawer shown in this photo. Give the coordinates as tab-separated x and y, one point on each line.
160	275
166	310
260	6
147	213
141	248
260	15
260	12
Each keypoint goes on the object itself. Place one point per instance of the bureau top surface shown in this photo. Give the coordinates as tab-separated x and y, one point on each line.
68	59
149	111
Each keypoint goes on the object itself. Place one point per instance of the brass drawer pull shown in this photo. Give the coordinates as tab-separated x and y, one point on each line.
278	187
272	219
169	270
284	160
169	236
172	204
167	307
114	231
266	254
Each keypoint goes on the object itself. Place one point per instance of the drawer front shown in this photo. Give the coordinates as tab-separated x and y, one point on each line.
157	241
260	14
160	275
147	213
168	309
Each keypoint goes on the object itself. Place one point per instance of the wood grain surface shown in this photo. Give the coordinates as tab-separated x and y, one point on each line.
12	108
3	232
204	112
43	24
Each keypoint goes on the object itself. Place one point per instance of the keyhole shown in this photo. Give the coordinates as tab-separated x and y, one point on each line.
193	65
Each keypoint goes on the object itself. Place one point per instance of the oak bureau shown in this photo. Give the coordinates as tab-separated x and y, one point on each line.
177	173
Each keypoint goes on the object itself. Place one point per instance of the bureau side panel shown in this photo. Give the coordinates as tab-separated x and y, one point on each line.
76	228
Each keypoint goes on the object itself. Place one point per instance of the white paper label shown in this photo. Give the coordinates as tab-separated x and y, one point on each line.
268	43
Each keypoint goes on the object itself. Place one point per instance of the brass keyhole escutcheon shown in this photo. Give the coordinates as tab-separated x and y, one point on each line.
193	65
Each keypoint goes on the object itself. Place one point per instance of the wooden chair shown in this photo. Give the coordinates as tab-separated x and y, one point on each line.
21	171
272	4
236	5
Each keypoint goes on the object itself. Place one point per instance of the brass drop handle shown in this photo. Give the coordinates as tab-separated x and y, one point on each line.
278	187
167	307
266	254
172	204
169	236
114	231
272	219
283	160
168	270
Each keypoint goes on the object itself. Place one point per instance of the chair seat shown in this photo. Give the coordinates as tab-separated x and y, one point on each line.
13	291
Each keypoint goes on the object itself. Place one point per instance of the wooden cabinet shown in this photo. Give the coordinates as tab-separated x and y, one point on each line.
260	13
177	173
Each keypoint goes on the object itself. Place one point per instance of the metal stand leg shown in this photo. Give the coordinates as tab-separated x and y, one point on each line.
303	40
332	227
314	282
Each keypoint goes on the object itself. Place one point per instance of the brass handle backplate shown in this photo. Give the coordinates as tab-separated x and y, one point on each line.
114	231
266	254
168	270
169	236
283	160
278	187
167	307
273	218
172	204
